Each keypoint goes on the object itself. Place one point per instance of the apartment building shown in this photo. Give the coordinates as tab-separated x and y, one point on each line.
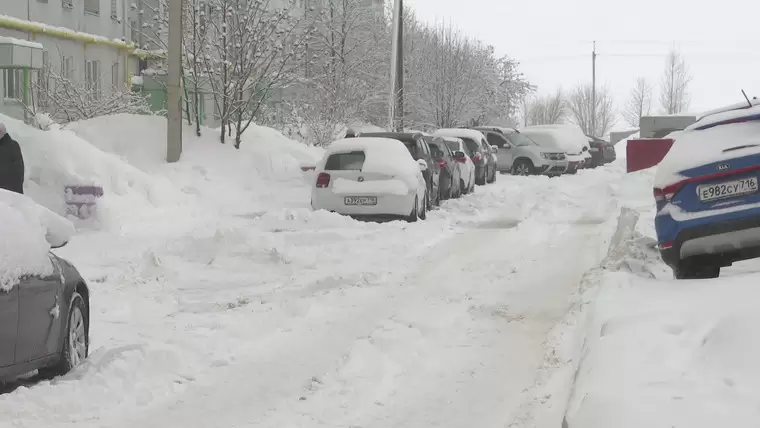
87	41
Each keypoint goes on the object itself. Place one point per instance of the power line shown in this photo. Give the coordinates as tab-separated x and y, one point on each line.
602	55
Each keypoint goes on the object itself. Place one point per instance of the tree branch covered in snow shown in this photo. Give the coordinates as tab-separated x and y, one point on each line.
544	110
594	119
674	87
639	103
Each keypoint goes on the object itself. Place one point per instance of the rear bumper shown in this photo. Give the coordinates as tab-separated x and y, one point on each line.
387	205
723	242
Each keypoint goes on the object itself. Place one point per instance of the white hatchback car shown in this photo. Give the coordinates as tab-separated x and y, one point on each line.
370	177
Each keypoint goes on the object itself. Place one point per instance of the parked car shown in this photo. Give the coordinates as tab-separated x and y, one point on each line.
520	155
451	178
44	301
466	167
418	148
569	138
371	177
602	152
706	192
485	167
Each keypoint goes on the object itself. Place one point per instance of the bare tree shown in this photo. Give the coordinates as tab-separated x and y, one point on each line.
594	119
544	110
674	87
639	103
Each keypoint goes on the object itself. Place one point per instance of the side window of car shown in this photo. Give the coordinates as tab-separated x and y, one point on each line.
425	148
497	140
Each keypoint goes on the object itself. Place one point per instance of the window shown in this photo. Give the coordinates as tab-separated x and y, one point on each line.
520	140
92	7
352	161
495	139
92	78
471	145
67	4
13	84
453	145
425	148
114	9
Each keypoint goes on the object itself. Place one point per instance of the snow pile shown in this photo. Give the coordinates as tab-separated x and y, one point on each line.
28	231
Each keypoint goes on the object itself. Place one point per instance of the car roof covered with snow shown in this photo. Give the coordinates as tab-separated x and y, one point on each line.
569	138
722	136
460	133
381	154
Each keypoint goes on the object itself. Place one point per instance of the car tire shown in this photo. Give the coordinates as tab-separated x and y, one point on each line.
76	344
689	270
493	176
411	218
523	167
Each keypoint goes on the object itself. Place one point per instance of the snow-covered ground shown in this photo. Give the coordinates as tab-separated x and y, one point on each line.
219	299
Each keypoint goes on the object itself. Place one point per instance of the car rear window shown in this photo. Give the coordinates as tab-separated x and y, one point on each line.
351	161
453	145
436	150
472	146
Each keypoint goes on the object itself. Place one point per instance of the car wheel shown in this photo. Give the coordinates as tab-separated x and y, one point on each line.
415	209
522	167
76	344
493	175
687	269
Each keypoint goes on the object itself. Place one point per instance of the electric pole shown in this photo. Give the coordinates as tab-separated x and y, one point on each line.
173	88
593	91
396	105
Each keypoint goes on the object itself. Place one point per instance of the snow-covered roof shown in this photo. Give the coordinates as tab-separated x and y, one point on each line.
738	106
726	114
569	138
381	154
20	42
460	133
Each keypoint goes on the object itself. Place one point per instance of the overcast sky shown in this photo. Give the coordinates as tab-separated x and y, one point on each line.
552	39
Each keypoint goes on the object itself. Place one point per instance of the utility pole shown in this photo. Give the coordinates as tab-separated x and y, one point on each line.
593	90
173	88
396	105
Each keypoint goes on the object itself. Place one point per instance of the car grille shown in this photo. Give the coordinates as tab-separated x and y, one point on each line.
556	156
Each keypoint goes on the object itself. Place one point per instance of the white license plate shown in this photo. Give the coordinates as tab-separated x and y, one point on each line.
711	192
360	200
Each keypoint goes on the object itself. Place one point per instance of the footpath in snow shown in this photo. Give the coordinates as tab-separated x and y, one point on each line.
219	299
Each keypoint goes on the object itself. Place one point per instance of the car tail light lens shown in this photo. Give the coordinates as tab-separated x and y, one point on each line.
476	157
323	180
442	163
668	192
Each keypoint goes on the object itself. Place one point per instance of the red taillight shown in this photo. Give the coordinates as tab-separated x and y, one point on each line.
668	192
666	245
442	163
323	180
476	157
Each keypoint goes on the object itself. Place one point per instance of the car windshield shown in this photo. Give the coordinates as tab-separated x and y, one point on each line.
520	140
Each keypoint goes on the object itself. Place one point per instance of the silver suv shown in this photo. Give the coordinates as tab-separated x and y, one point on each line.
520	155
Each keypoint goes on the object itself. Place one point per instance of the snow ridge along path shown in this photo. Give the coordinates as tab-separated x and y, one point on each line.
439	323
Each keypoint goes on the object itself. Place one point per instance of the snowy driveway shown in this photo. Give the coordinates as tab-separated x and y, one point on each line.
295	318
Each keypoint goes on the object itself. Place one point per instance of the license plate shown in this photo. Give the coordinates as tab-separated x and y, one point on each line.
711	192
360	200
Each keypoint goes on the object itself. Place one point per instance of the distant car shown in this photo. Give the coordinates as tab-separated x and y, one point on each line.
602	152
466	167
418	147
451	175
706	192
569	138
371	177
519	155
479	152
44	308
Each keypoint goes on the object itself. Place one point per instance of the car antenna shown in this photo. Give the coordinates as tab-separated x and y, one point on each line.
746	98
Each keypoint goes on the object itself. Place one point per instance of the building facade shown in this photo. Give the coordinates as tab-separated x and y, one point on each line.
86	41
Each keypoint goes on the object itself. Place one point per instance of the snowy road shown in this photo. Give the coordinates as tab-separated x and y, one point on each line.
441	323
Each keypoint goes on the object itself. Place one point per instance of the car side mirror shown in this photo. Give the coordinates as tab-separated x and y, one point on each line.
423	165
459	154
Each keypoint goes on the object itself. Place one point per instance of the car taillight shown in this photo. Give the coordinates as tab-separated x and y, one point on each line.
476	157
323	180
442	163
668	192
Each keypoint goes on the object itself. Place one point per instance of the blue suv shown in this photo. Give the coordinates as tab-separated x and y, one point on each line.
706	191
